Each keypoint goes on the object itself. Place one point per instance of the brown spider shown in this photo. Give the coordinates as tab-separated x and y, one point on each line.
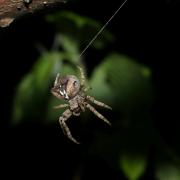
73	91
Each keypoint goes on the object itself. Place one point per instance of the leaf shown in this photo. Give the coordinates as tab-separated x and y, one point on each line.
167	164
122	82
32	92
33	101
133	165
70	48
80	29
168	171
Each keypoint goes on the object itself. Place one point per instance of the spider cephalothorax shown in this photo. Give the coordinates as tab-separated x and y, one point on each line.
73	91
66	87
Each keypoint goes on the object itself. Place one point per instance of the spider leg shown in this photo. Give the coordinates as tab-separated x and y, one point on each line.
98	102
91	108
83	79
56	80
60	106
82	73
82	106
65	116
87	89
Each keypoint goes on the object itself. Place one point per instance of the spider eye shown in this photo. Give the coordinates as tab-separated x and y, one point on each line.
75	83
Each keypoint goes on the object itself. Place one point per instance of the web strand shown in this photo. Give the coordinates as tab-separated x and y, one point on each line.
100	31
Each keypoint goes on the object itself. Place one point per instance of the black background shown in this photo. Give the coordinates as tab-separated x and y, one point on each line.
146	30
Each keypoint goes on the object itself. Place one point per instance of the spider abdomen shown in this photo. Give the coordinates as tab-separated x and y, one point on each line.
73	104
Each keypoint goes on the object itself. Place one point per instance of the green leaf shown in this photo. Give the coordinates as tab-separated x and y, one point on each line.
33	100
33	90
70	48
133	165
168	171
80	29
122	82
125	85
167	166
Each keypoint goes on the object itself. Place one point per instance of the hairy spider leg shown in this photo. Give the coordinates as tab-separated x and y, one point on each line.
90	98
65	116
61	106
91	108
83	79
56	80
82	73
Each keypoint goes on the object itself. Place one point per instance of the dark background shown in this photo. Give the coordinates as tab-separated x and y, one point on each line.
146	30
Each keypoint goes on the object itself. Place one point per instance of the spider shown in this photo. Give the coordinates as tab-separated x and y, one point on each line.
73	91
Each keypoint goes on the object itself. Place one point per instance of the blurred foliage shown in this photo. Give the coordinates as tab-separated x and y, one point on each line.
168	171
133	165
119	81
81	29
126	79
126	85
